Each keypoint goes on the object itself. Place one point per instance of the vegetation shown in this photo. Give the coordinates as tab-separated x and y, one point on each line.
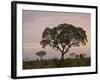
63	37
41	54
55	63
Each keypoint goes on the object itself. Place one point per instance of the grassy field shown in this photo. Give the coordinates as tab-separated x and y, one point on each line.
55	63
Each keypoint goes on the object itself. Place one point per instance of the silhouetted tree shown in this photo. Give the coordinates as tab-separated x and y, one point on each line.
72	55
77	56
63	37
82	56
41	54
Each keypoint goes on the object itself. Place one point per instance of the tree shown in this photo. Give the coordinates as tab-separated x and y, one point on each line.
72	55
41	54
82	56
77	56
63	37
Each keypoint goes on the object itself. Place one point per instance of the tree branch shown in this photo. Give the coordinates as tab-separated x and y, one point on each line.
63	47
69	47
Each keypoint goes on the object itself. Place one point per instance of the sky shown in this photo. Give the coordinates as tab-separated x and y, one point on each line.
34	23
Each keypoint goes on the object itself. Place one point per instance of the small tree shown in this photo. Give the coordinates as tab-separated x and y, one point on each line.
77	56
82	56
41	54
63	37
72	55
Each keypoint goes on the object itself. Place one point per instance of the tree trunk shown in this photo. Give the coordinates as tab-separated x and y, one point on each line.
62	57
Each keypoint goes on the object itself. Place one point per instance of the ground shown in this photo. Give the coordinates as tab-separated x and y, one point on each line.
56	63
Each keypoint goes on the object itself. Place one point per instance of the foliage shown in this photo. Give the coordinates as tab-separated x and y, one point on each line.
72	55
55	63
41	54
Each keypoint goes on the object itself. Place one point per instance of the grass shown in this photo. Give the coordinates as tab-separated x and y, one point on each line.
55	63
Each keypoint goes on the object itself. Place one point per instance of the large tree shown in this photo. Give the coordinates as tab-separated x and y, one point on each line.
63	37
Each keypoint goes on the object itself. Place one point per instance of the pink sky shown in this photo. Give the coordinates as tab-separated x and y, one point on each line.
34	23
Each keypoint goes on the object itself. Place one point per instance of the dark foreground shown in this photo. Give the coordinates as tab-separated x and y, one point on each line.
55	63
